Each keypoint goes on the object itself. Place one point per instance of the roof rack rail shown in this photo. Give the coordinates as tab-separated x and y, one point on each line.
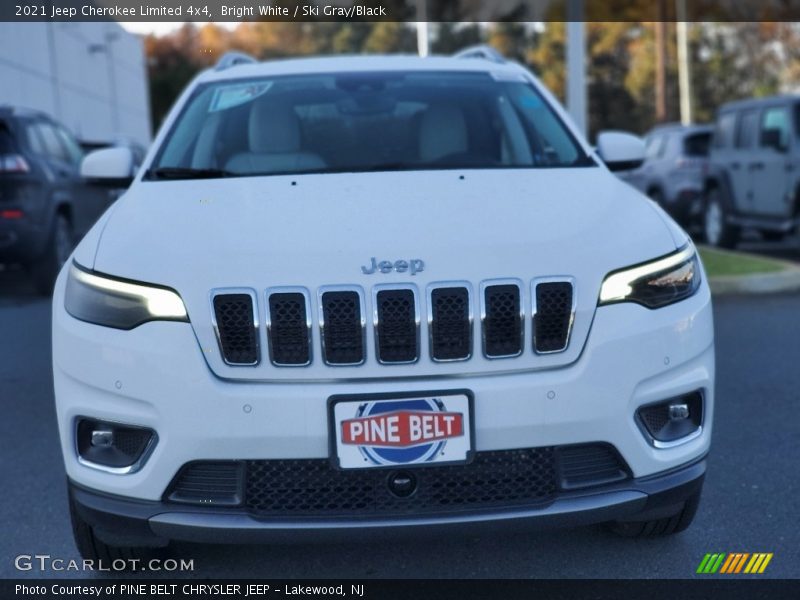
482	51
231	59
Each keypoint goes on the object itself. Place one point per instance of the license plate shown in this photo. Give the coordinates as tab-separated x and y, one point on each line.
401	430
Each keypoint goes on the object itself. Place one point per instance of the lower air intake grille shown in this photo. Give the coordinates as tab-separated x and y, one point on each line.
313	487
590	464
343	333
396	326
551	323
288	329
451	327
529	477
236	328
215	483
502	325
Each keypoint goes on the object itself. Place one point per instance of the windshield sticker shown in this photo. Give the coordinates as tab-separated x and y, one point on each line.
228	96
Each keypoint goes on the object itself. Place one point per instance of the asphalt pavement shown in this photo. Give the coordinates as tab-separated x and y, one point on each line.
749	502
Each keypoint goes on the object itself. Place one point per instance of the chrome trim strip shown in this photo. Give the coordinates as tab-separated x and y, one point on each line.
236	290
471	316
388	287
679	442
362	306
268	321
486	283
557	279
130	469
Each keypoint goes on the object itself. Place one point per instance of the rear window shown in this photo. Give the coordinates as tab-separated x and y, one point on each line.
697	144
371	121
7	144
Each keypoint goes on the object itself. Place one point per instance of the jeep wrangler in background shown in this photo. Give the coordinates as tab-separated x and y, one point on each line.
753	178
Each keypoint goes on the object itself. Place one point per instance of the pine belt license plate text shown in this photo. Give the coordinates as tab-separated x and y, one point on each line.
398	431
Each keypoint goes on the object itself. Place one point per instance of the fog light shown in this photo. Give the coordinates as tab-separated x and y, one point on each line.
673	421
102	438
113	447
678	412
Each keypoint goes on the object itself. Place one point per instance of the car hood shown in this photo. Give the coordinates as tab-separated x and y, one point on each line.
318	230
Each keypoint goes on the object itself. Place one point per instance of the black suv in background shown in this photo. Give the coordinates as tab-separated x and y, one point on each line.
45	205
673	170
754	171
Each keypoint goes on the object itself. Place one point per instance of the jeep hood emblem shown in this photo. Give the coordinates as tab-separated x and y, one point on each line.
413	266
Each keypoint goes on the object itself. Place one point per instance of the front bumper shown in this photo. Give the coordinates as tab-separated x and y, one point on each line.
155	376
127	522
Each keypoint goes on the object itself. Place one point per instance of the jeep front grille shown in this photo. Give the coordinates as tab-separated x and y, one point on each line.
450	323
396	325
503	320
289	328
342	327
553	309
236	326
340	314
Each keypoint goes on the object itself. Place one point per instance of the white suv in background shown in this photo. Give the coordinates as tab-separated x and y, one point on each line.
356	294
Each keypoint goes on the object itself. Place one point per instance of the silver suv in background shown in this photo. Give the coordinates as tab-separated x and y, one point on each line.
754	171
673	171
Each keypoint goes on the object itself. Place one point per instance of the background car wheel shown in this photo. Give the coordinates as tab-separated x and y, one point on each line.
59	247
658	527
92	548
716	229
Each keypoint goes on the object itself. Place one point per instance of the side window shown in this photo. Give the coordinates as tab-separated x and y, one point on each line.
748	130
654	147
35	142
775	122
724	129
52	145
74	152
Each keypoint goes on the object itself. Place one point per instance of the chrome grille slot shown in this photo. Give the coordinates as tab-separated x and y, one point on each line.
342	326
503	319
553	312
450	323
289	327
396	325
236	326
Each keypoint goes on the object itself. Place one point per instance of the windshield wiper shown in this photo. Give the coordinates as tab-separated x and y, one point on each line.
187	173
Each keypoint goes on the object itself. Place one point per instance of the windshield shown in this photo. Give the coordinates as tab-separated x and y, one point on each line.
364	122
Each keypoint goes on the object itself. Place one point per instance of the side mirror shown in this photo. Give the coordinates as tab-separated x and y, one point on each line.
772	138
112	167
619	150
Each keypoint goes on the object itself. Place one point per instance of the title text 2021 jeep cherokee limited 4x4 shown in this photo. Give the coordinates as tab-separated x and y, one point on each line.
388	292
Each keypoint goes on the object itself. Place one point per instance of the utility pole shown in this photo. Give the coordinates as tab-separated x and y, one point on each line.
576	64
422	27
684	76
661	63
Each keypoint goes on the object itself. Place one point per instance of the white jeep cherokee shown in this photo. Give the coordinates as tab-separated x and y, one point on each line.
351	294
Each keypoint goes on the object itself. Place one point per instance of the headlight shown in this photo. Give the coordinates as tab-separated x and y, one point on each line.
656	283
103	300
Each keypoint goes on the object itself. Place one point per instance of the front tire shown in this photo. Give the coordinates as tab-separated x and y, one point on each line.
92	547
659	527
716	228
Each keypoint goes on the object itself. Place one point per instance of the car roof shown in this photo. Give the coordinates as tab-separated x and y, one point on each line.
355	63
680	128
758	102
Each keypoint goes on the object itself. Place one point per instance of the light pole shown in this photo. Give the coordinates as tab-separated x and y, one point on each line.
684	79
576	64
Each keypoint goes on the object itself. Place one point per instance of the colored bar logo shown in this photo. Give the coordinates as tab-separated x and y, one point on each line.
734	563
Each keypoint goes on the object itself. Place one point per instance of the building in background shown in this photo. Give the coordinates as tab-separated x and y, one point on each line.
90	76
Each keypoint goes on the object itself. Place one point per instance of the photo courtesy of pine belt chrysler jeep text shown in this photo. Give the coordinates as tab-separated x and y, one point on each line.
372	294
